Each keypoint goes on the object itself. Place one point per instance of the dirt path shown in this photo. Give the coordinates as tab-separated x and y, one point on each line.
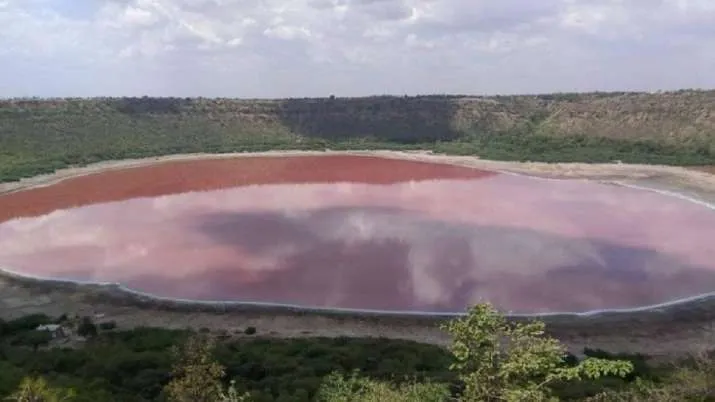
665	332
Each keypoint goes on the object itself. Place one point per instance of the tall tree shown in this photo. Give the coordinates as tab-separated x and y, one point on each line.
498	360
196	376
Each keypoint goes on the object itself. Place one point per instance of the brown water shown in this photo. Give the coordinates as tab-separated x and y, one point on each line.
432	244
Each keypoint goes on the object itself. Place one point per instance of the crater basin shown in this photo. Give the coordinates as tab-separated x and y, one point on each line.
362	232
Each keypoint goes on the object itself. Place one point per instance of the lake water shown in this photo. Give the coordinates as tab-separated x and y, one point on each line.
363	233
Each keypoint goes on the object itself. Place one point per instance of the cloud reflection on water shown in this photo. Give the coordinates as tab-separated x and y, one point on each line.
525	244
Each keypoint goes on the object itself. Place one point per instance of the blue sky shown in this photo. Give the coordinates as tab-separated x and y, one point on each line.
272	48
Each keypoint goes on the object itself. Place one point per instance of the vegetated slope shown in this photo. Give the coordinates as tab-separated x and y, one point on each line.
38	136
134	365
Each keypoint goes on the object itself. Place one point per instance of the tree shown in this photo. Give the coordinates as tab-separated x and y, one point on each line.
339	388
107	326
196	376
693	380
232	394
87	328
37	390
499	360
36	338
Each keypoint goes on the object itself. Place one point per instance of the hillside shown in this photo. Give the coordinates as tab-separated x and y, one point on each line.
38	136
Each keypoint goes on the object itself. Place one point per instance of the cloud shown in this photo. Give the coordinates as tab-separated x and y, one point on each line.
274	48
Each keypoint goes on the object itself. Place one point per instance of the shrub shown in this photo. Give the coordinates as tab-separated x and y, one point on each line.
26	323
37	390
87	328
108	325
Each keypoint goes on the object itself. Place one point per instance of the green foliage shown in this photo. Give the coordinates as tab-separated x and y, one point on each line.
340	388
691	380
37	390
292	369
196	376
232	395
135	365
108	325
115	366
23	324
639	361
499	360
494	359
87	327
22	331
34	339
249	330
40	136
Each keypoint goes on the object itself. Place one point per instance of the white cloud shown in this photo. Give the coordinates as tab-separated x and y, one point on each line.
269	48
138	16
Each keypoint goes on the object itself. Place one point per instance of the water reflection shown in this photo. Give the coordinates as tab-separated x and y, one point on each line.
527	245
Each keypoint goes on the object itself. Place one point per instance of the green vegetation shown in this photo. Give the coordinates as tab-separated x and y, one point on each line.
37	390
490	359
196	376
135	365
87	327
39	136
340	388
500	361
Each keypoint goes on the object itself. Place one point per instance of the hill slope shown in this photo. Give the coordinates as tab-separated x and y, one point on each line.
38	136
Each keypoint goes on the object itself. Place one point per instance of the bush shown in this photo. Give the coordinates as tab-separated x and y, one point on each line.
249	331
87	328
26	323
37	390
34	339
338	388
108	325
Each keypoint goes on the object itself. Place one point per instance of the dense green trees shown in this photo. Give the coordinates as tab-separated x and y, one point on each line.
136	365
490	359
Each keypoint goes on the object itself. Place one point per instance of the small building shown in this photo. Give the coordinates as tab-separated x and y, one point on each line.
55	330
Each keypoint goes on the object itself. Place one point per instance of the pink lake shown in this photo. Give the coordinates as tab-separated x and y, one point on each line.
430	245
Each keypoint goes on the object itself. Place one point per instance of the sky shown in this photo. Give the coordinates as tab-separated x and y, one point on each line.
297	48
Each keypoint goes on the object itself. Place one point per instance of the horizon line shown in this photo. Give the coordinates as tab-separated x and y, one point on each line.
333	96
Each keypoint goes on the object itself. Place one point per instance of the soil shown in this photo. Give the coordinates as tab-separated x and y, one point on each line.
668	331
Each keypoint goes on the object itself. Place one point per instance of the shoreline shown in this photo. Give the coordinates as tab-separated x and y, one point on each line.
615	330
138	297
568	170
